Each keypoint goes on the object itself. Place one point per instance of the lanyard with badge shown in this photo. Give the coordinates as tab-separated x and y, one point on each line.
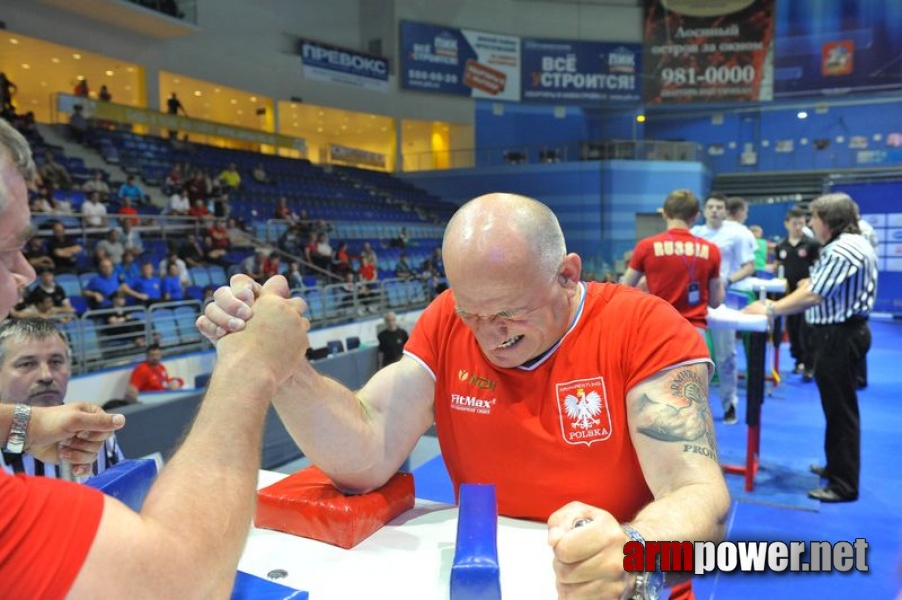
693	291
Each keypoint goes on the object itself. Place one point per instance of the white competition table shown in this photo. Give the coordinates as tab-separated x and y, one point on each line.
757	326
409	558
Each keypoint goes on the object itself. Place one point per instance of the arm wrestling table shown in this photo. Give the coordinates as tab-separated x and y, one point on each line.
409	558
762	287
756	325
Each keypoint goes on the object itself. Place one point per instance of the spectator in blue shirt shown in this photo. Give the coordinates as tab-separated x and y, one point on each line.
172	283
130	189
128	270
148	288
102	286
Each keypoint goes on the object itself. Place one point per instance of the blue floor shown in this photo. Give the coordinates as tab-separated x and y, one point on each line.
792	438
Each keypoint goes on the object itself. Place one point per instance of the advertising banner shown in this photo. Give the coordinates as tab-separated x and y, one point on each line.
708	51
834	46
356	156
573	72
323	62
460	62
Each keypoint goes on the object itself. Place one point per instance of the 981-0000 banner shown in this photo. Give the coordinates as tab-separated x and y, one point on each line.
708	51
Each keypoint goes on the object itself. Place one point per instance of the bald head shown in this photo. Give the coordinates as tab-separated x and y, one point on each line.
504	231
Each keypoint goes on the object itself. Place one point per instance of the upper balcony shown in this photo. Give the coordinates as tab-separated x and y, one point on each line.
160	19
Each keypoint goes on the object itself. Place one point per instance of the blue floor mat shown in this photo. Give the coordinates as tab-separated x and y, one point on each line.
780	484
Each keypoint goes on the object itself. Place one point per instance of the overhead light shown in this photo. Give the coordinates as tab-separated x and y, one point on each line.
216	90
76	56
802	114
319	129
233	101
109	73
13	41
294	125
240	112
176	80
197	93
43	84
253	98
26	66
640	118
54	60
130	69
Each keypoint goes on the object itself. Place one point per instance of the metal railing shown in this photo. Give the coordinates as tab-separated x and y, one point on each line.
341	302
102	338
539	154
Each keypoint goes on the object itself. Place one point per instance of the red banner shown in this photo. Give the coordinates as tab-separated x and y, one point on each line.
708	51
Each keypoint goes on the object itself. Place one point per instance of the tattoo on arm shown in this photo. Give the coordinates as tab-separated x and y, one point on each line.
682	415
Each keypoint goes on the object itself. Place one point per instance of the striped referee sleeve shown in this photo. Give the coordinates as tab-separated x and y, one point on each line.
845	276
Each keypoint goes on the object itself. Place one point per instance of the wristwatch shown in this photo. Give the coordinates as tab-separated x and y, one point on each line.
649	584
15	442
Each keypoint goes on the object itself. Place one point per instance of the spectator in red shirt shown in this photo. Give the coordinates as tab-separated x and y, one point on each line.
151	376
128	208
198	209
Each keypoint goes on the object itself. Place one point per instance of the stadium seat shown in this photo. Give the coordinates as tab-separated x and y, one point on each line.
199	276
352	342
165	324
335	346
185	317
70	284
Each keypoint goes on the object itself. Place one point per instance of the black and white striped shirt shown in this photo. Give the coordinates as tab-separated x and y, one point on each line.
845	276
16	464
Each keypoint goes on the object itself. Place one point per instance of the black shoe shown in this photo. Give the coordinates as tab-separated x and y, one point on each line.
799	368
861	384
729	417
825	494
818	470
807	375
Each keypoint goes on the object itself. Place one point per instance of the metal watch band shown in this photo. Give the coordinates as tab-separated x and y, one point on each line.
15	442
648	583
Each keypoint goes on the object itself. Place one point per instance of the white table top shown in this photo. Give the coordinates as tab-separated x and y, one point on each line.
756	284
409	558
723	317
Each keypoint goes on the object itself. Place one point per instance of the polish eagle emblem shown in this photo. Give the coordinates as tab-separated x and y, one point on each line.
583	408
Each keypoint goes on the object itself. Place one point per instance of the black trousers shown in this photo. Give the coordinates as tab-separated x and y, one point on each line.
838	351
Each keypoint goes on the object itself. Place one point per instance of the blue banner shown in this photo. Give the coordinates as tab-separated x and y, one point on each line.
460	61
339	65
876	201
836	46
573	72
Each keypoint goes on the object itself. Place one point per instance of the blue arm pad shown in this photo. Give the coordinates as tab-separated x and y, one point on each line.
128	481
475	574
250	587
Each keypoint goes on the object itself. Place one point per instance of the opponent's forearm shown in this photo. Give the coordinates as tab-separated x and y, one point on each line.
333	428
214	474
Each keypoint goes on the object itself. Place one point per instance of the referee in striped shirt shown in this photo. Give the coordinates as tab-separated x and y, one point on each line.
34	370
837	299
